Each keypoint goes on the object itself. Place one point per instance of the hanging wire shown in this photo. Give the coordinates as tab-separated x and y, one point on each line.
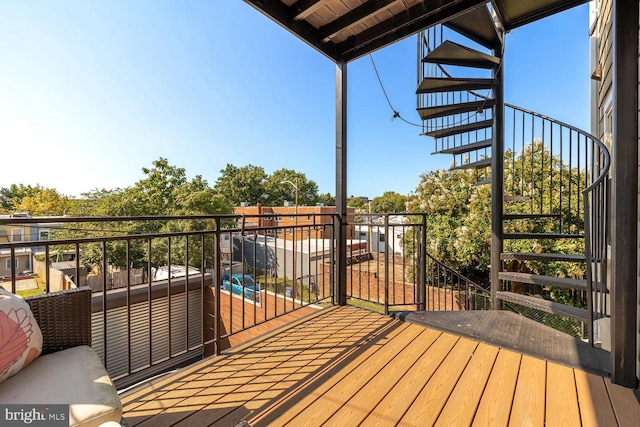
396	114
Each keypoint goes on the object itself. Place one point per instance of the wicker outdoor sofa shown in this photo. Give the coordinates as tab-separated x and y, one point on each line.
68	371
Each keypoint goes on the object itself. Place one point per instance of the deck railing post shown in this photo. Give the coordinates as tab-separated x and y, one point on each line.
422	266
217	318
341	182
497	182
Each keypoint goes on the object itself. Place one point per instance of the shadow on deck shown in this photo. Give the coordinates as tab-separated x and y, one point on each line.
347	366
509	330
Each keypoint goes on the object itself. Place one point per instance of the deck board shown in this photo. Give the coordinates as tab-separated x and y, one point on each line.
348	366
407	389
495	405
625	404
562	397
366	399
529	399
428	404
595	406
463	402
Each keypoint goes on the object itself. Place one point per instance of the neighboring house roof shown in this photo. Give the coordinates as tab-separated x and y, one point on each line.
63	265
18	251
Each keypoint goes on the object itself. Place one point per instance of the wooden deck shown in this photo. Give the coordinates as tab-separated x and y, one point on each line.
346	366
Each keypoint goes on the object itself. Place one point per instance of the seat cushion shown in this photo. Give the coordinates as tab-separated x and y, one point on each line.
74	376
20	336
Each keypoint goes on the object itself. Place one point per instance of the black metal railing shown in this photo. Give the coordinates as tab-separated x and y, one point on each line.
388	265
168	290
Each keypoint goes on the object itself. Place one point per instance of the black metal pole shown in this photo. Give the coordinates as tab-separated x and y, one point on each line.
422	255
497	181
624	224
341	182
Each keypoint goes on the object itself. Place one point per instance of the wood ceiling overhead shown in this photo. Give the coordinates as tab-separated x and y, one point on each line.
344	30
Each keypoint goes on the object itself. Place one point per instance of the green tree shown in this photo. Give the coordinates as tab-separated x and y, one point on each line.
389	202
327	199
164	190
357	203
242	184
278	191
12	195
458	214
43	201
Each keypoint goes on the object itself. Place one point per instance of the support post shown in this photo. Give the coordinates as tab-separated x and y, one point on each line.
341	183
422	259
497	181
624	215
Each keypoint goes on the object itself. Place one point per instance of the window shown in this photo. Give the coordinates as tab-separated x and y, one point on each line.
8	263
308	217
16	234
382	239
291	231
45	235
278	233
292	218
608	122
363	234
278	218
268	218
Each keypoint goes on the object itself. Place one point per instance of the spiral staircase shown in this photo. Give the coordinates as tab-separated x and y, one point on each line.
555	204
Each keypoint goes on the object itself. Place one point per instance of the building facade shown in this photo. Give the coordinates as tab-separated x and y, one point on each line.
311	222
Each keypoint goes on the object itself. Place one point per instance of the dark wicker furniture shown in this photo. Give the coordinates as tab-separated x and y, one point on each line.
64	318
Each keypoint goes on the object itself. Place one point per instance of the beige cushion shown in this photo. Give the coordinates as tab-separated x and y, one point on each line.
75	376
20	335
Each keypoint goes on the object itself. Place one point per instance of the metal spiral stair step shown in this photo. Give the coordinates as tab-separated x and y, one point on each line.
451	109
450	53
538	279
510	198
517	236
455	130
520	256
474	165
477	24
453	84
482	182
507	217
466	147
547	306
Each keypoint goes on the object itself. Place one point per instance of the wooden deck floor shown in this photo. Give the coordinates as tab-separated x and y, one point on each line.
346	366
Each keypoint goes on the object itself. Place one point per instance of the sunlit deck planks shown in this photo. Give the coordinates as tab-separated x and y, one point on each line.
347	366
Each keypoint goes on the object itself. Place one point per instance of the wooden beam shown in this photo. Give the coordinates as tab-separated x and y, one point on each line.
303	8
355	17
409	22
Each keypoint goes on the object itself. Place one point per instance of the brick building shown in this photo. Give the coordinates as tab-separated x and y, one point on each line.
311	222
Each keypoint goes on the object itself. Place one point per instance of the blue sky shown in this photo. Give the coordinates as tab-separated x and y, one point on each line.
91	92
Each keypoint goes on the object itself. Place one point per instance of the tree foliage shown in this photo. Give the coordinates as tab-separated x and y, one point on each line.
35	200
389	202
164	190
459	214
357	203
43	201
251	184
242	184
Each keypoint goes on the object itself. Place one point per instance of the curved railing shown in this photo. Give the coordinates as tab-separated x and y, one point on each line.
555	174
